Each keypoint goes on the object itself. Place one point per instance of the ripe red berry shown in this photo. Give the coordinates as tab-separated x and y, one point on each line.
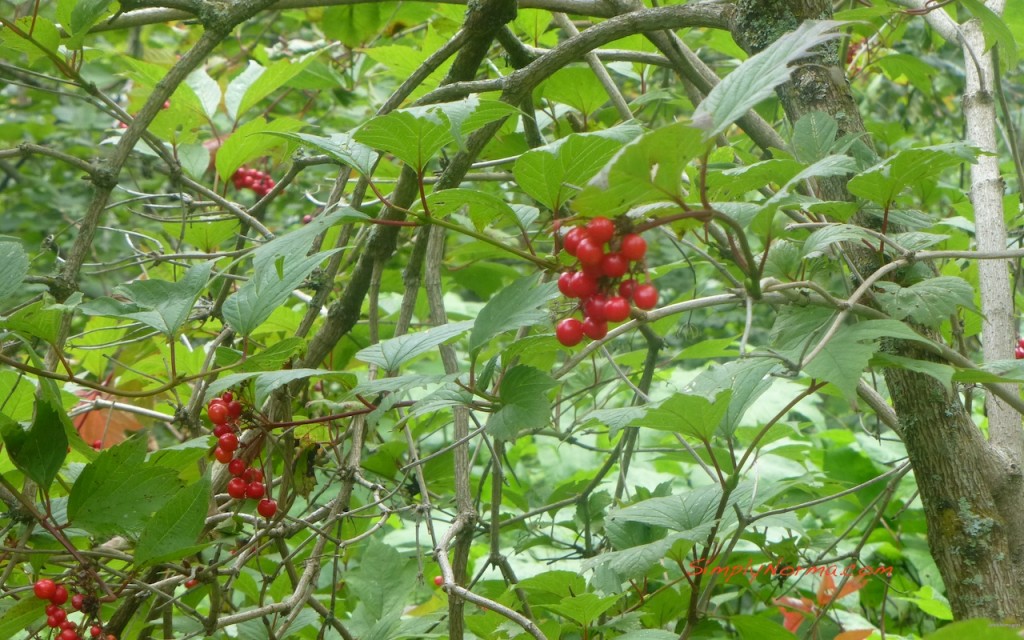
67	624
593	271
595	329
252	474
589	252
569	332
438	581
616	309
267	508
60	595
236	467
626	288
565	283
1019	352
222	429
68	634
601	229
645	296
306	219
217	412
614	265
236	488
77	601
228	442
255	490
44	589
235	410
227	397
97	444
52	609
594	307
191	583
96	630
583	286
634	247
52	622
572	240
223	456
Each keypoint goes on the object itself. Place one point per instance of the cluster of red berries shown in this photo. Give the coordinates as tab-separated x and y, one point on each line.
604	258
1019	351
261	183
247	482
57	616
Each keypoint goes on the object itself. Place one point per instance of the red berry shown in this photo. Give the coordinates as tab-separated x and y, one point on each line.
267	508
616	309
252	474
227	397
218	413
634	247
77	601
228	442
60	595
248	182
593	271
565	283
222	456
44	589
52	622
96	631
52	609
306	219
1019	352
594	308
222	429
583	285
572	240
438	581
97	444
189	584
236	488
645	296
68	634
589	252
569	332
234	409
67	624
236	467
614	265
595	329
255	490
626	288
601	229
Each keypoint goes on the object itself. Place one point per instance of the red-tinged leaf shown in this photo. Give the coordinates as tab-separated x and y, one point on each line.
109	426
794	611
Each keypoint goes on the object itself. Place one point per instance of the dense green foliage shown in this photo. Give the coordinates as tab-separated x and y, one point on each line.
710	468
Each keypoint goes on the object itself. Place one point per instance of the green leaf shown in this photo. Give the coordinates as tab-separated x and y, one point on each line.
13	269
391	354
38	451
835	165
268	381
689	414
918	72
383	579
977	628
633	563
941	372
269	287
524	402
887	179
265	82
482	208
813	136
996	31
583	609
18	616
752	627
206	89
86	13
518	305
756	78
244	144
118	492
928	302
163	305
649	169
352	25
340	147
176	526
690	515
747	379
554	173
414	136
44	37
577	87
820	240
931	603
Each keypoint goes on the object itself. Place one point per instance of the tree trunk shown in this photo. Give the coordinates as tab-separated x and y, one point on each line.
957	472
